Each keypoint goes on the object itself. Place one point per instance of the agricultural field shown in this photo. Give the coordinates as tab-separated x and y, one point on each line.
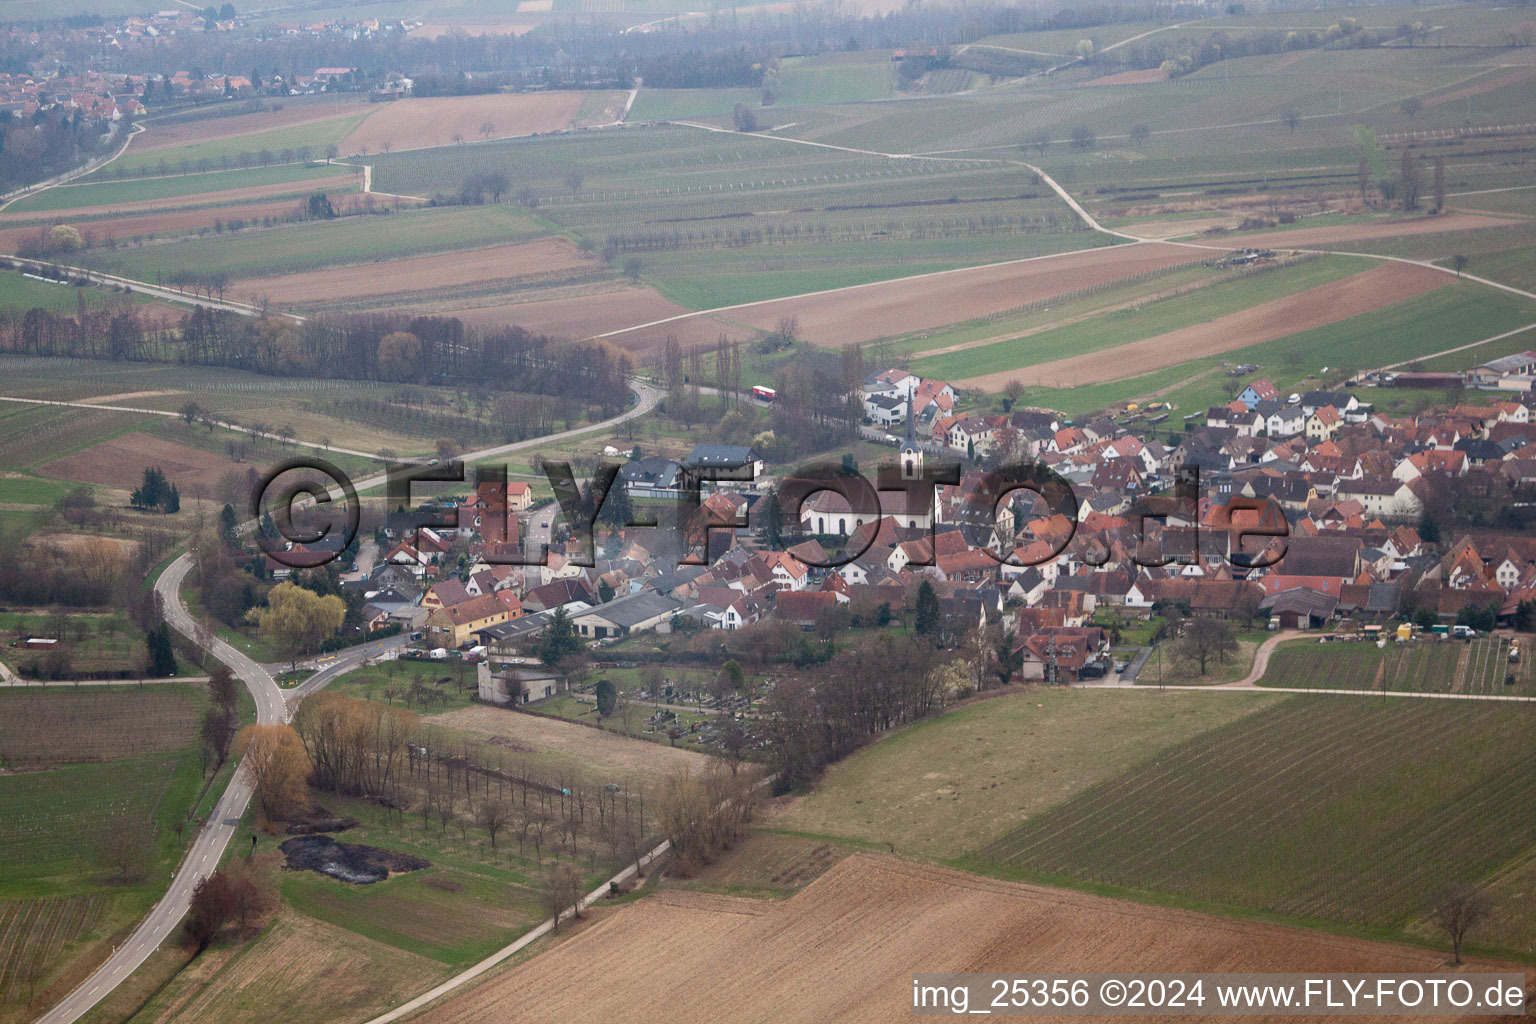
598	754
454	120
232	120
1316	851
1147	318
319	244
184	190
94	761
1480	666
213	145
1408	330
76	726
995	763
545	262
284	972
1315	308
833	948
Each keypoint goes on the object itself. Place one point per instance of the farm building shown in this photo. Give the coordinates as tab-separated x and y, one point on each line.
529	685
1300	608
633	614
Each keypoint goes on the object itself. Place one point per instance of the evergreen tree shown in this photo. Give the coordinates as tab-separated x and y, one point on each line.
770	520
926	612
607	698
227	523
162	655
559	640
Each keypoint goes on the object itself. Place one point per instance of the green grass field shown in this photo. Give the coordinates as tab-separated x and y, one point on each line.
954	782
1329	808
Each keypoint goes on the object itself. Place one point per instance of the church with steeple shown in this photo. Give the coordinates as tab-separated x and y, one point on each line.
911	453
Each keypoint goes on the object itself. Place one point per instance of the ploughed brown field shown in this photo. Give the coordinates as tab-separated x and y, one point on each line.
1338	300
162	134
845	949
434	121
422	273
889	308
121	461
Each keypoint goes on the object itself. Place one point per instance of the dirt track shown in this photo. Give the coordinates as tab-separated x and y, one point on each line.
1314	307
845	948
442	271
421	123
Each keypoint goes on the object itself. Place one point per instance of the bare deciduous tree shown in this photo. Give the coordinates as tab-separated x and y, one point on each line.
1460	908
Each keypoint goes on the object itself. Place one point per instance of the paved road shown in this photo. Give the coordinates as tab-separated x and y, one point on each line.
272	707
209	845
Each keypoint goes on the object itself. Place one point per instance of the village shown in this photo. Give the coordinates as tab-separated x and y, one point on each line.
1308	512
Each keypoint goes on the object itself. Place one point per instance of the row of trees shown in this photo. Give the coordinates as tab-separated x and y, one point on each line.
811	722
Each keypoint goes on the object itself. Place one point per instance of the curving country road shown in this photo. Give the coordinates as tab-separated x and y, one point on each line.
273	707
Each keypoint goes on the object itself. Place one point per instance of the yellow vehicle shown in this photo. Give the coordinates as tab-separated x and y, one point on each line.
1405	631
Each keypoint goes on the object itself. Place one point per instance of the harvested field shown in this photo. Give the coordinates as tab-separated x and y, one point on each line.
889	308
40	727
443	271
1314	307
1142	77
585	316
1368	231
121	461
844	948
186	132
605	750
424	123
